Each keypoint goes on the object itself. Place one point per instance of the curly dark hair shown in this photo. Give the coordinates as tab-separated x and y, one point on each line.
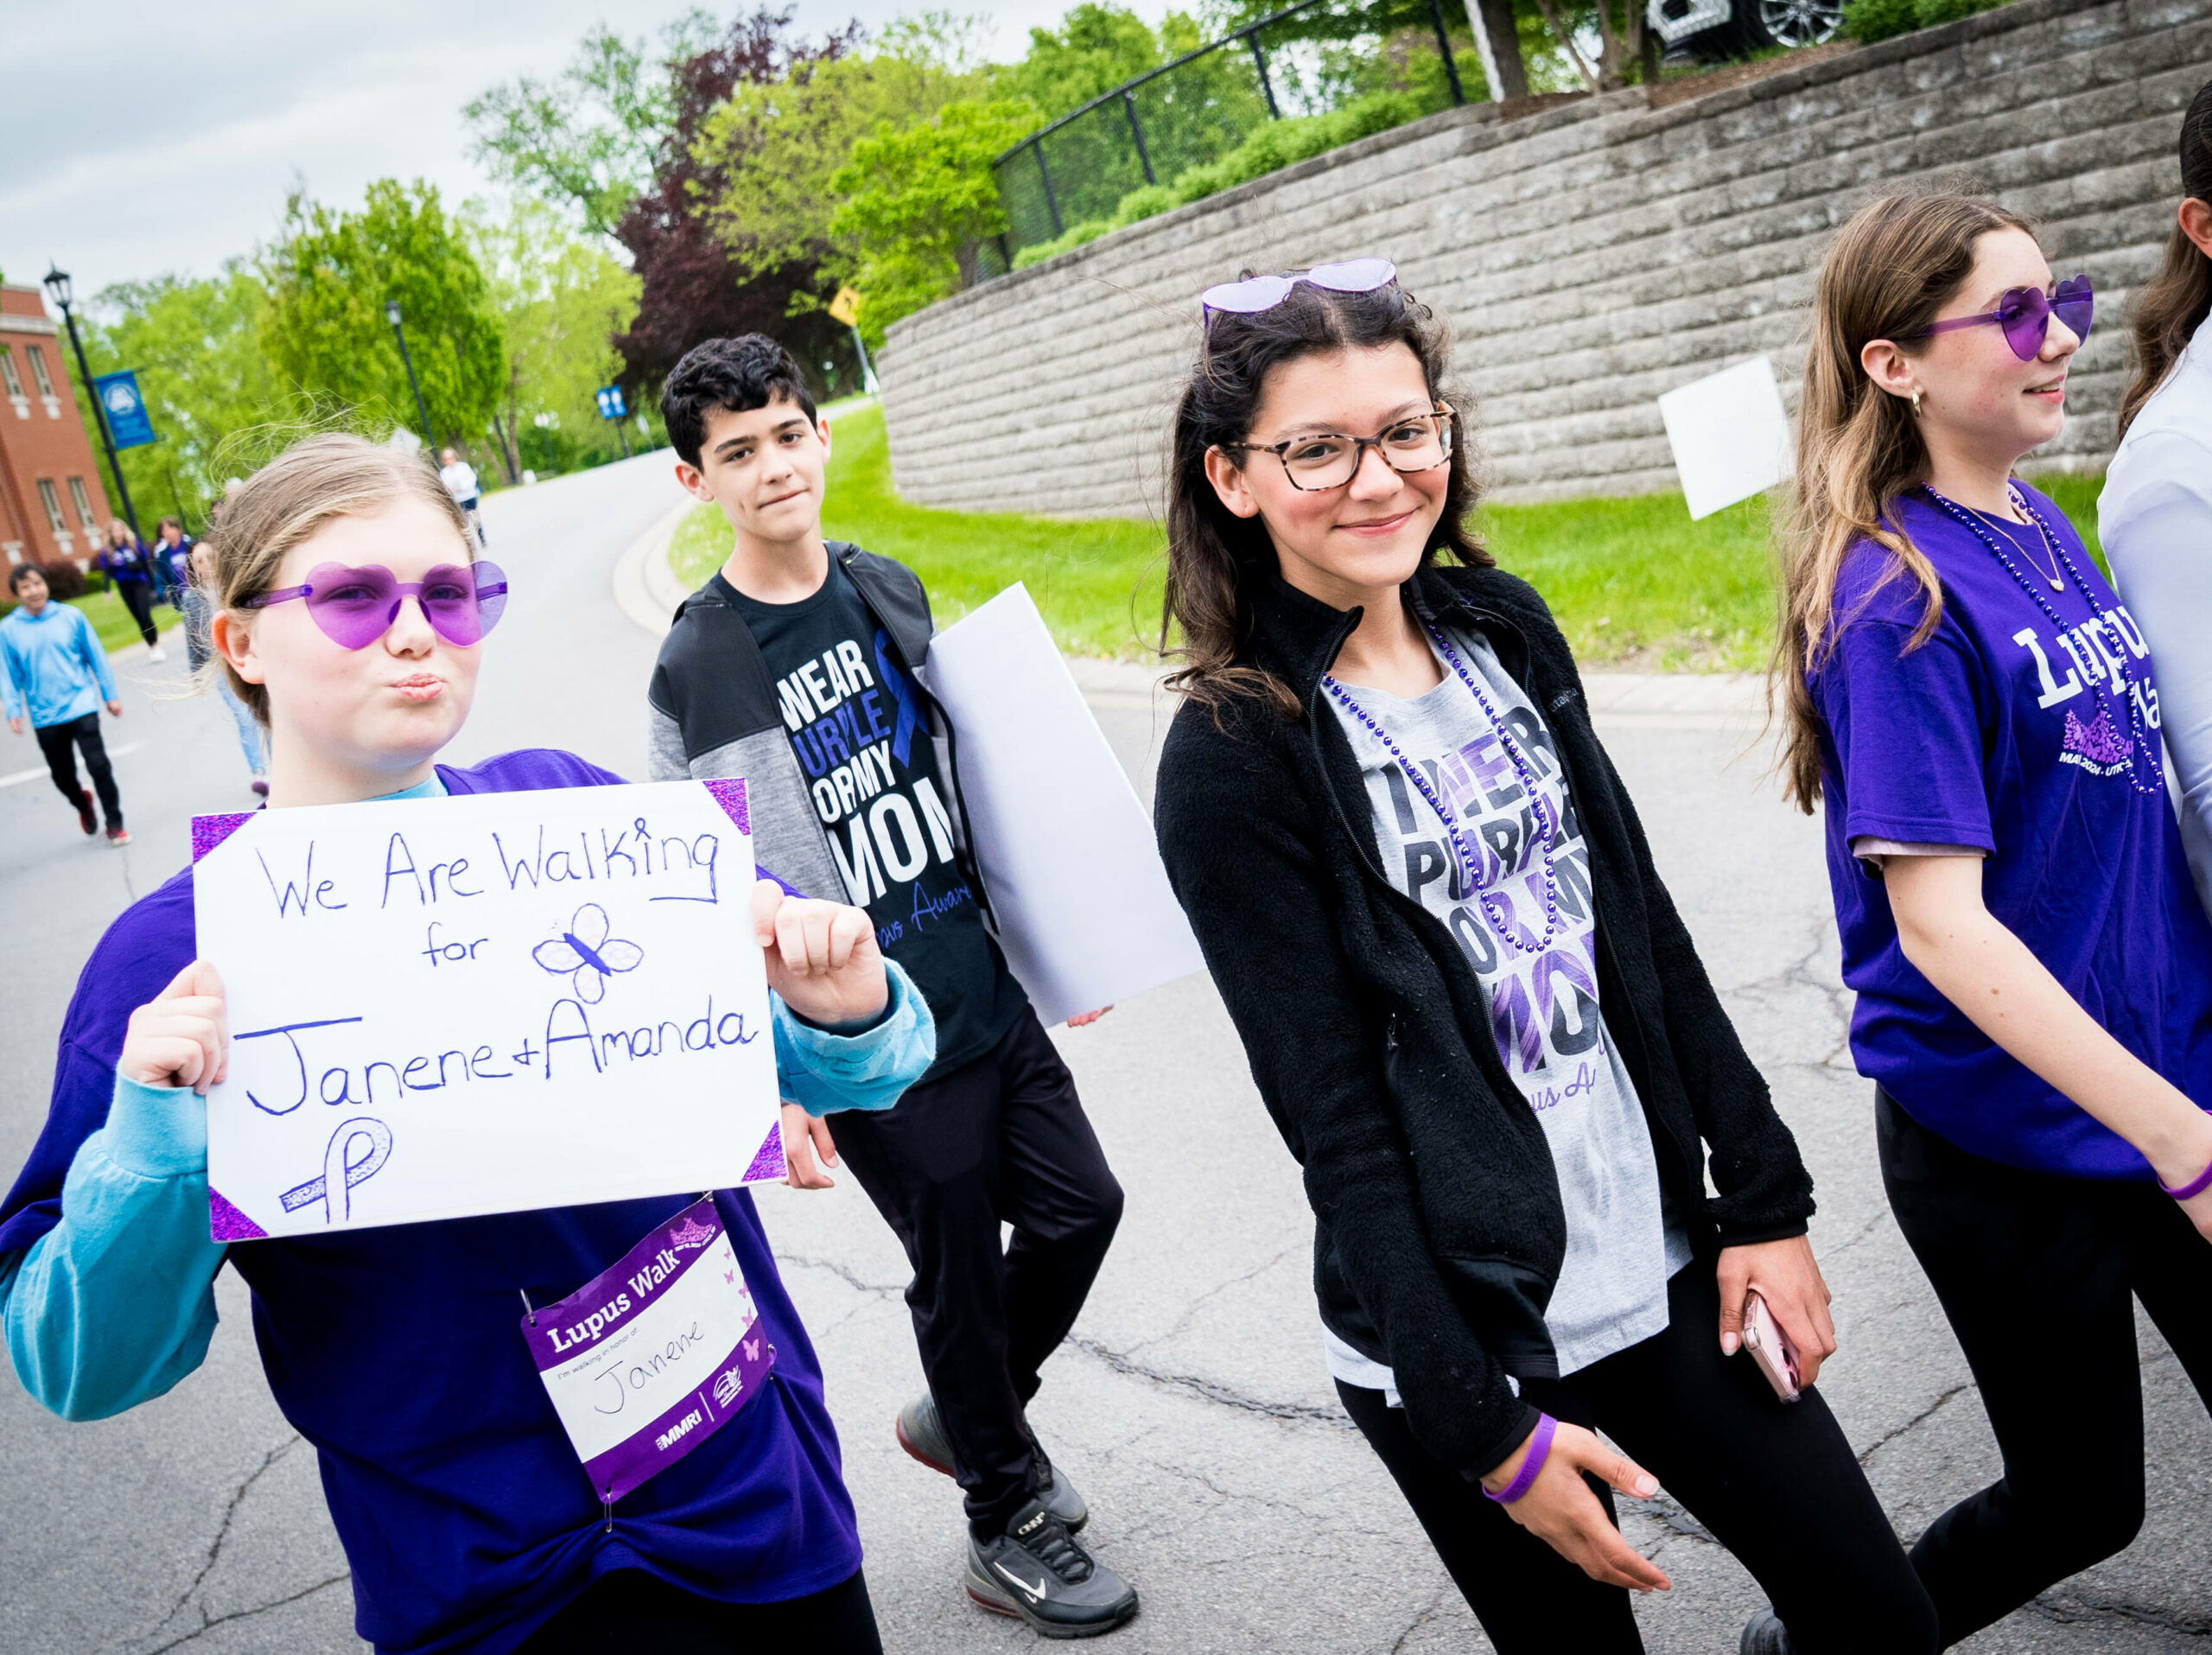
1215	560
738	375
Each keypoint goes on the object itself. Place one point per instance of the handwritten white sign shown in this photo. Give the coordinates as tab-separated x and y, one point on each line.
484	1003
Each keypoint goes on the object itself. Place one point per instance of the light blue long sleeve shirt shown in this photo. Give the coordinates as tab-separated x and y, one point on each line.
54	666
116	1304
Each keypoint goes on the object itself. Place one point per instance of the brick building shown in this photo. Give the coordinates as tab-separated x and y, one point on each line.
51	500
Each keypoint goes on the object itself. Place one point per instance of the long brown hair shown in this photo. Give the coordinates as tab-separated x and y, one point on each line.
1215	560
2173	304
1890	270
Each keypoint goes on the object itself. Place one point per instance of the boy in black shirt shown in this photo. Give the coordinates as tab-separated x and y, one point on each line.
794	667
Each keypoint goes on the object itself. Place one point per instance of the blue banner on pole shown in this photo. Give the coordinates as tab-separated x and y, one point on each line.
611	405
127	424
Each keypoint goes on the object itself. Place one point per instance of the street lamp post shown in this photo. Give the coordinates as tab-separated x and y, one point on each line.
391	316
58	284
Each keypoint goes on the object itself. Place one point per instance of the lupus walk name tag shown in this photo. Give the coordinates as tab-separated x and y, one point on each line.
651	1358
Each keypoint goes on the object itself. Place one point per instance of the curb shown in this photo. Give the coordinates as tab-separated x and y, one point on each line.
645	588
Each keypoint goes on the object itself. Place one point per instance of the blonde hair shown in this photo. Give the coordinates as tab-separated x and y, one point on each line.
1890	270
291	497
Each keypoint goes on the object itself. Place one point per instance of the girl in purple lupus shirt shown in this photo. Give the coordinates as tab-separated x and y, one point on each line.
468	1522
2034	973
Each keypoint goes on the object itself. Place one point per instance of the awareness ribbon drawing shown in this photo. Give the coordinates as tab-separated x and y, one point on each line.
341	1170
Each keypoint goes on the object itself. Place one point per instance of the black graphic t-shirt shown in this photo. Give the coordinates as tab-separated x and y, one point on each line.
856	722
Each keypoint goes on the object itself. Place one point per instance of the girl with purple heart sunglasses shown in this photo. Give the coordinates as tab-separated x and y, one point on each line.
1974	713
348	619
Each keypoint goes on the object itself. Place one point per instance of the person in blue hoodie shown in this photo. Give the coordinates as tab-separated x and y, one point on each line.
57	680
470	1524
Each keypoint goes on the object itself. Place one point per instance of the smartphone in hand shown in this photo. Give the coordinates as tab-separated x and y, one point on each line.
1770	1347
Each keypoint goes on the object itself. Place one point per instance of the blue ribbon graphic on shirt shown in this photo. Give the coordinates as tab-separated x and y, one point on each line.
910	709
341	1170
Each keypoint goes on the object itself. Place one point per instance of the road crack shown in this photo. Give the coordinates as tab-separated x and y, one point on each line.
212	1622
1915	1422
2068	1606
1213	1391
222	1535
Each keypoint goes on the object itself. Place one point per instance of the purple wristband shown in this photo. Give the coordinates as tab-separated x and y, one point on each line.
1540	1448
2196	1186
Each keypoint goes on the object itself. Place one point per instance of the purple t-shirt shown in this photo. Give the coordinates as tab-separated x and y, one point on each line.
2007	734
397	1352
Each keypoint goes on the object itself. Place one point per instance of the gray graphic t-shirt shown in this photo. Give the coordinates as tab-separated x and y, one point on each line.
1543	1000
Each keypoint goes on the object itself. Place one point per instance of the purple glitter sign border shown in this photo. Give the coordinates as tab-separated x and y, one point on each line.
209	832
729	792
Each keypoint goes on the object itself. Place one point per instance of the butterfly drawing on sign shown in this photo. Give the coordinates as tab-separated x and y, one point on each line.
586	954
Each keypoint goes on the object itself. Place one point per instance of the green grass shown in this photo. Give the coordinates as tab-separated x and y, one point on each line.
1634	583
1097	583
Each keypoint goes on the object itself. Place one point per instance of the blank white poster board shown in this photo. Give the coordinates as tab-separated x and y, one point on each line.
1730	436
1084	908
485	1003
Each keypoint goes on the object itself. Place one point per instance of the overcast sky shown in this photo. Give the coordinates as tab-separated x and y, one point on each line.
140	138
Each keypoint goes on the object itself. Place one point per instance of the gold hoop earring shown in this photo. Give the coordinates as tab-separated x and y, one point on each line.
1916	402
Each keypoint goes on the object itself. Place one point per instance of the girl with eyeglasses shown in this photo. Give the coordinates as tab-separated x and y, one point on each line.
2155	515
1474	1014
350	616
1974	709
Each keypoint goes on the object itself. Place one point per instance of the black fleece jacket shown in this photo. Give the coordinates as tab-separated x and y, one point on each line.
1439	1230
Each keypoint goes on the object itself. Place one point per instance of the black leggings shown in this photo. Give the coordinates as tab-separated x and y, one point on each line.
138	598
2037	1274
60	743
630	1609
1778	1485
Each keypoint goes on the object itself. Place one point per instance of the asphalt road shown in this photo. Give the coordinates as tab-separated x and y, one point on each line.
1191	1405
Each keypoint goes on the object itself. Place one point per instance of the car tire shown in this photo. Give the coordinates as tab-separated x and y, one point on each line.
1789	23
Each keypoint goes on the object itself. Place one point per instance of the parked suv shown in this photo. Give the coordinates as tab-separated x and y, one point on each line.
1710	31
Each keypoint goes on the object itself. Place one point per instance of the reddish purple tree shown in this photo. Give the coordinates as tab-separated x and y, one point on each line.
692	290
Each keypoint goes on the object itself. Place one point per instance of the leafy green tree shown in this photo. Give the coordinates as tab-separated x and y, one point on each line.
915	199
197	349
775	147
588	136
329	276
561	301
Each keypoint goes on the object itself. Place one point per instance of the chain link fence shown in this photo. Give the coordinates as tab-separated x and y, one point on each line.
1313	58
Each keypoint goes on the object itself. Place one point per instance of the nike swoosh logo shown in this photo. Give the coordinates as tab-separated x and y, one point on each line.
1035	1593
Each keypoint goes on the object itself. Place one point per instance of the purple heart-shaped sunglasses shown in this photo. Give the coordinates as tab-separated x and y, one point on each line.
2025	314
356	607
1257	293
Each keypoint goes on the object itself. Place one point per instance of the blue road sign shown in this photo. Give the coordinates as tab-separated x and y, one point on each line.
611	405
127	424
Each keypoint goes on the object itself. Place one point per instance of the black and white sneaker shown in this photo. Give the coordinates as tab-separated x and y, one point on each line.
921	1433
1038	1571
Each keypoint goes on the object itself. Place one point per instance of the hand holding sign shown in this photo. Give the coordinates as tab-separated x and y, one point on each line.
181	1037
821	957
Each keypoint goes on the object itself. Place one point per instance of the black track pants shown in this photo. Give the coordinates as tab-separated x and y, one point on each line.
59	743
138	598
1778	1485
2037	1274
1004	1139
633	1610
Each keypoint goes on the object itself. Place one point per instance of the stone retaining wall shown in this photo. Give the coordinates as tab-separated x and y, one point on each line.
1589	256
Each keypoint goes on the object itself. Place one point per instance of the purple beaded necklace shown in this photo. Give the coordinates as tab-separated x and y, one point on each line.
2060	556
1546	827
